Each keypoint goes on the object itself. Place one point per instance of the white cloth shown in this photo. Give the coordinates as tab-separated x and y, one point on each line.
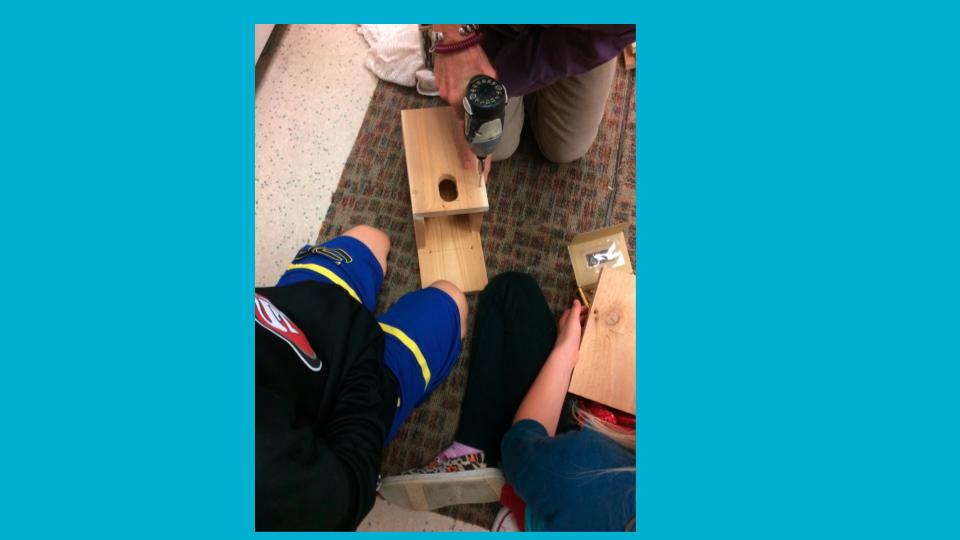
394	53
396	56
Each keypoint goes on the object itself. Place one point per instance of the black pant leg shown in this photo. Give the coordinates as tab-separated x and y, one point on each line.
513	336
568	421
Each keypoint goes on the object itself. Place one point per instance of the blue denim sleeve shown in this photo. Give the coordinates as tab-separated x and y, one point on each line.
575	481
526	465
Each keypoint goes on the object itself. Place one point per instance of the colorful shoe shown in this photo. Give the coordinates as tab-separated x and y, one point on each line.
462	480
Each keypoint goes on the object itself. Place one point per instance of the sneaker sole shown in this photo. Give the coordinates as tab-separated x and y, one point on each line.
432	491
504	517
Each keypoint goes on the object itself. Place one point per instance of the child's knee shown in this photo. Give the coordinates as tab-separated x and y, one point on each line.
565	152
458	297
376	240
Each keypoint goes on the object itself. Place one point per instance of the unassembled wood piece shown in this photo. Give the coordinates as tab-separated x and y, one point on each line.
439	184
448	247
606	370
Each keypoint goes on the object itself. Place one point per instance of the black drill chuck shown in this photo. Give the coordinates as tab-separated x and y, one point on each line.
484	106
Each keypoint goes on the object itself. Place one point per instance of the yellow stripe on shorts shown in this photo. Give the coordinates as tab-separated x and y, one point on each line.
327	273
412	345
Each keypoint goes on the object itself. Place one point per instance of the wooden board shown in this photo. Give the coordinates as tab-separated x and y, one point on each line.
607	369
431	152
448	247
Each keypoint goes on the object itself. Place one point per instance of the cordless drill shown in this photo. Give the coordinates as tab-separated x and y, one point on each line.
484	105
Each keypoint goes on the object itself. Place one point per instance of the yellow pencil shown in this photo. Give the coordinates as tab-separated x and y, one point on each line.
584	297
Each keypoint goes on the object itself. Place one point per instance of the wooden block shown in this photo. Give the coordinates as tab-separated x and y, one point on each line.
607	369
630	57
439	184
420	232
448	247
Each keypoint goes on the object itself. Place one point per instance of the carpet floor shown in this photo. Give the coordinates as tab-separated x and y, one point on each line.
536	208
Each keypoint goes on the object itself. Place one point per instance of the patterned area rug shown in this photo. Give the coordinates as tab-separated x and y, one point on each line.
536	208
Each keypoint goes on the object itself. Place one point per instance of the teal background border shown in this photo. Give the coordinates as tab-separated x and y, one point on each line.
796	261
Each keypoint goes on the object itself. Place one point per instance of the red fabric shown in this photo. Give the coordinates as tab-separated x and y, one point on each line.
610	416
510	499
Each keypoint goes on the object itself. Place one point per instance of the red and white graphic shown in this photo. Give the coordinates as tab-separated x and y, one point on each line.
268	316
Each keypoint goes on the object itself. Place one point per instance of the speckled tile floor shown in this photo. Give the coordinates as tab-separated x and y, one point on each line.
311	97
312	93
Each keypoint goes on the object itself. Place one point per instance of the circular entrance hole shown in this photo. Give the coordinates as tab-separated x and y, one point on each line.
448	188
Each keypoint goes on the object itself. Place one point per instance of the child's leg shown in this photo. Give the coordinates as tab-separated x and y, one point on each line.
356	261
375	240
513	335
456	294
423	333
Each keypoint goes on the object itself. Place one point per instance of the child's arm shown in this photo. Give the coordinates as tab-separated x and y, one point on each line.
544	400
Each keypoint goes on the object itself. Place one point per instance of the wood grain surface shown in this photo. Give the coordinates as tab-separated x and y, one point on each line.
431	152
606	371
448	247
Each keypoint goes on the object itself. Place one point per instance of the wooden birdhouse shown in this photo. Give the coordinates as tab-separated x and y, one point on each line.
448	200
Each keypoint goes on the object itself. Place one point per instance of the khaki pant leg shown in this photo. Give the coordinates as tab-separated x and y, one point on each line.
566	115
512	126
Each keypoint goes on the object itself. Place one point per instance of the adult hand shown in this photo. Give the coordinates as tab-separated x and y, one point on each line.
453	71
570	329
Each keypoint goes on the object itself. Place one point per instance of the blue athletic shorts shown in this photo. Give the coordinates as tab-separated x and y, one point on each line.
422	345
422	328
343	261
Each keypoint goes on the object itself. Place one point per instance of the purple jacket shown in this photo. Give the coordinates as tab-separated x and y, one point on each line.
530	57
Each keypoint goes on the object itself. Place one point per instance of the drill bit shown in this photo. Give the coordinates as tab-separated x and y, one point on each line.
480	170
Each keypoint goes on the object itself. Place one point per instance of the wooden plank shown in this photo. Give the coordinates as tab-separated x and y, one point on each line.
430	147
606	371
448	247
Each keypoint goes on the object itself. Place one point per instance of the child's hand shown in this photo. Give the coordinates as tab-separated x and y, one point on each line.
570	328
